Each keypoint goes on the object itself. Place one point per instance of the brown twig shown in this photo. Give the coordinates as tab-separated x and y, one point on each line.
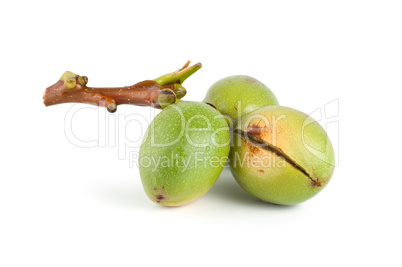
158	93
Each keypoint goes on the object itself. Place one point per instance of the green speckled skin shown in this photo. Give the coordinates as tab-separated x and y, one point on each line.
183	152
268	176
238	95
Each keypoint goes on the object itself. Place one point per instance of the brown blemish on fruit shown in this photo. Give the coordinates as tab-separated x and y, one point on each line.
259	143
159	198
254	129
261	132
235	108
262	171
315	182
159	194
252	147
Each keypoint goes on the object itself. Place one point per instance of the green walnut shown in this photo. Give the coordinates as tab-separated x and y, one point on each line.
183	152
281	155
238	95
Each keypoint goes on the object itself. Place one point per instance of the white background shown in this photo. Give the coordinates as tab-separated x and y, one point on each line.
64	205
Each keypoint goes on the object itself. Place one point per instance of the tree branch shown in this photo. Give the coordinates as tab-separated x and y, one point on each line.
158	93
